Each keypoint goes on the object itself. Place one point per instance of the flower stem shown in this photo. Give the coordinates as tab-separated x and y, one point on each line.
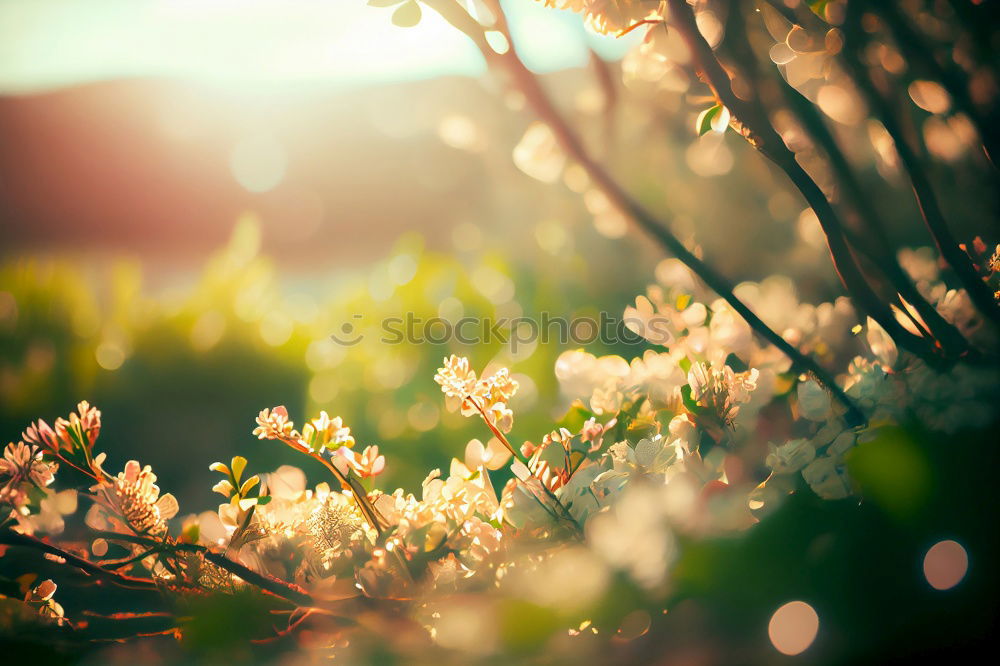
566	515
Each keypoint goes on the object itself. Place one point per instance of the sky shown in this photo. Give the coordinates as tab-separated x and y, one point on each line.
48	44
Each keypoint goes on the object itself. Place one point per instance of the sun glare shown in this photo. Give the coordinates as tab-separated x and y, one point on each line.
258	162
254	44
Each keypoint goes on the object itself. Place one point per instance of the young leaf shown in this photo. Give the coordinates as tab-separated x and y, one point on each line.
575	417
224	488
689	401
720	122
704	123
239	463
407	15
248	485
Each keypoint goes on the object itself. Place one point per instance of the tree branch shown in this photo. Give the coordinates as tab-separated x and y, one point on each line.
927	202
572	145
275	586
12	538
762	135
878	250
919	53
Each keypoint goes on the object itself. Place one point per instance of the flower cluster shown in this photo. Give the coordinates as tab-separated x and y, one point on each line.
23	468
321	435
29	466
721	389
488	396
610	16
137	499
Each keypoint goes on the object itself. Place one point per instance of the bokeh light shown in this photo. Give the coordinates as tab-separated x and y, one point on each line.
945	564
793	628
258	162
574	494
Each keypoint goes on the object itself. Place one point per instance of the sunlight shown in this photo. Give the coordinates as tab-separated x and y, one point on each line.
223	42
498	331
250	44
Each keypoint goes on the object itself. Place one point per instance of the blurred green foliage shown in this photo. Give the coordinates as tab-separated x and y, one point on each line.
180	371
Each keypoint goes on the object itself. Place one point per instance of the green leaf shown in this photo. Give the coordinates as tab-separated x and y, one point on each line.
248	485
819	7
263	499
643	427
685	364
704	123
407	15
575	417
689	401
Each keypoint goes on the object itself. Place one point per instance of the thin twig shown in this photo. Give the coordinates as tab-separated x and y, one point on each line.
371	515
368	510
118	564
275	586
12	538
566	515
